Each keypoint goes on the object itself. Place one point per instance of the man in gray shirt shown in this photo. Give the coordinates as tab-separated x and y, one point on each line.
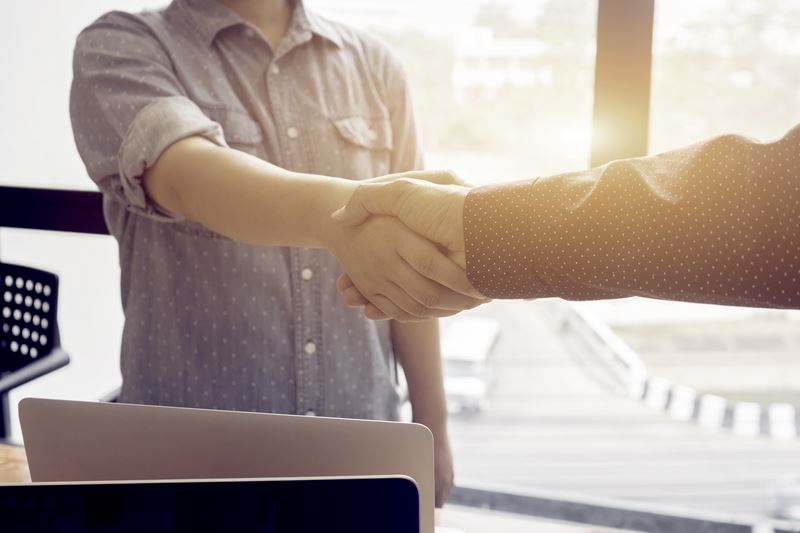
210	129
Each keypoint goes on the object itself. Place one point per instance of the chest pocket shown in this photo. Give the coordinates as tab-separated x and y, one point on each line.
366	145
241	131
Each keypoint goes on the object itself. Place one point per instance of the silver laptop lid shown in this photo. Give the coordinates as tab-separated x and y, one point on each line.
89	441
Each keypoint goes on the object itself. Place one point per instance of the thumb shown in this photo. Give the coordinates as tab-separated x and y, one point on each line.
439	177
366	200
350	214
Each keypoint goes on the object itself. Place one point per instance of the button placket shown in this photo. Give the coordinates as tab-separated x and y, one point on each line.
308	332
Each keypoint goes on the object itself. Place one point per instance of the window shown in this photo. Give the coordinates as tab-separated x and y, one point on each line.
38	151
724	67
721	66
473	77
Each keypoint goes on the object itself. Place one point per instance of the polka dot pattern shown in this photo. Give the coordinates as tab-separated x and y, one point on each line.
210	322
716	222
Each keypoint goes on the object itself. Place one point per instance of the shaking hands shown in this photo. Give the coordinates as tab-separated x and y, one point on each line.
424	212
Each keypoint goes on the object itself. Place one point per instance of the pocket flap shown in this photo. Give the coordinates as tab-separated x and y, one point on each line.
372	133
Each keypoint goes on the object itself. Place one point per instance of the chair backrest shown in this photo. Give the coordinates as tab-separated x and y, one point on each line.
28	304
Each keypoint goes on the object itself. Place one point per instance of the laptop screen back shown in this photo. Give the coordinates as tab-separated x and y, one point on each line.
93	441
388	505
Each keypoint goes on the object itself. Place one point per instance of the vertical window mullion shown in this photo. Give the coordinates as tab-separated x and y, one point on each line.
621	115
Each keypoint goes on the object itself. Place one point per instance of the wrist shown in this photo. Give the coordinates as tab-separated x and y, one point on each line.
459	200
333	194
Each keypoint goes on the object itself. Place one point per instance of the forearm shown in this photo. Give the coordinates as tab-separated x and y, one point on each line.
715	222
416	346
244	197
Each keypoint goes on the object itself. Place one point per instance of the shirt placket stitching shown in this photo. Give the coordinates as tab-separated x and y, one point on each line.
308	323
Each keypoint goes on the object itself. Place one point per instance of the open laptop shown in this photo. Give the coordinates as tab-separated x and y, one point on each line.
91	441
278	505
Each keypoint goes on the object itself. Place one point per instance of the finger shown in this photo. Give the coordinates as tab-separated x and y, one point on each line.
376	199
373	313
440	177
431	294
344	282
426	258
397	304
441	498
400	297
391	310
368	199
353	298
459	258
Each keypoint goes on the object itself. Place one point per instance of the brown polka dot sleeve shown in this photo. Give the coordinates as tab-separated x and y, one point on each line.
715	222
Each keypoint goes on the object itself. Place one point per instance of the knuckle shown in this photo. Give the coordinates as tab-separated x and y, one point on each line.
473	304
401	184
424	264
452	177
358	191
431	299
418	309
405	317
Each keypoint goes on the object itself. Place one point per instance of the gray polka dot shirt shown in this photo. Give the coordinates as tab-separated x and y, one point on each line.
210	322
715	222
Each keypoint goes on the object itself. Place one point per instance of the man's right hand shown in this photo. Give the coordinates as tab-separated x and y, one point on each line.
404	275
423	202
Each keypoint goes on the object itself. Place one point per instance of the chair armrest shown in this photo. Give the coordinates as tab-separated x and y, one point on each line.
52	361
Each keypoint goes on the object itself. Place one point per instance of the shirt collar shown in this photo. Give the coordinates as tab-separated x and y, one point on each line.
319	26
212	16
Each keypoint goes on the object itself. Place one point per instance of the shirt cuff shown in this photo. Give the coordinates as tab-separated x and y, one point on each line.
157	126
498	237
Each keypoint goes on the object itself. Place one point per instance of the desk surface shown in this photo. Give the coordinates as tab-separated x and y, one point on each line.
13	465
14	469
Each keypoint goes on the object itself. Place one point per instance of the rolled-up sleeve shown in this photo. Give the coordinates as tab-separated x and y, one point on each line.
127	106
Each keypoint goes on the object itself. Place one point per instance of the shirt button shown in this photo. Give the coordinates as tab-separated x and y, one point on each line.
292	132
249	33
307	274
275	69
310	413
310	348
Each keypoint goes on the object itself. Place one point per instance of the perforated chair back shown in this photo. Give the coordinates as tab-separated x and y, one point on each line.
28	328
29	342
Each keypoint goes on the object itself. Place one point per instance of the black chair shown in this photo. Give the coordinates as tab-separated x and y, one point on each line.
29	341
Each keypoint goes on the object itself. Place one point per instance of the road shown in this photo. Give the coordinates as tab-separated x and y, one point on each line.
559	421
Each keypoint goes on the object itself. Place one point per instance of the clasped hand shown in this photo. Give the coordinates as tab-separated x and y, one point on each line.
403	254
